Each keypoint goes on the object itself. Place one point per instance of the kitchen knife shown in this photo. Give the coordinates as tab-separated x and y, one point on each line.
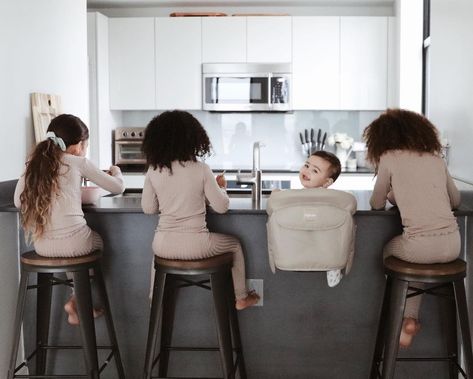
319	145
307	146
323	140
302	143
312	140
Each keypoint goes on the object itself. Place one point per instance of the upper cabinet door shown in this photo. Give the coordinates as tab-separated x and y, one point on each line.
316	62
269	39
363	63
223	39
131	63
178	63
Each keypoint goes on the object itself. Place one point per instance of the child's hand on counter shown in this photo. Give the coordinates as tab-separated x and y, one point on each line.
114	171
221	181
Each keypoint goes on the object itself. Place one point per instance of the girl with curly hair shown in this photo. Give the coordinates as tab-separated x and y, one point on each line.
48	194
405	150
178	186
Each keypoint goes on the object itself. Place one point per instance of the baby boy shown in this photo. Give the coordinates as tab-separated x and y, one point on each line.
321	169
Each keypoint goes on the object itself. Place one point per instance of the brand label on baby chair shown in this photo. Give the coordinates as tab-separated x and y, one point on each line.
310	216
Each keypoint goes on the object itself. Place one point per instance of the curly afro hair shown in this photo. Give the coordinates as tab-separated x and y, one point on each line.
174	136
399	129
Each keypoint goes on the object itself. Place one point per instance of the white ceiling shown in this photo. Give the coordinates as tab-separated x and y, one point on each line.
240	3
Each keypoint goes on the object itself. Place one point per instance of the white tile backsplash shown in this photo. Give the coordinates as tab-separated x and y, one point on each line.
232	134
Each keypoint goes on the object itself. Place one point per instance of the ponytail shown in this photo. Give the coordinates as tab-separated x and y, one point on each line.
41	185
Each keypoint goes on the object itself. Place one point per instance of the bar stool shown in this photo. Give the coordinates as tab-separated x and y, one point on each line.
445	280
46	268
174	274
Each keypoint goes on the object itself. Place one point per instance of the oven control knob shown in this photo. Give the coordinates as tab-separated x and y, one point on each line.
132	134
125	134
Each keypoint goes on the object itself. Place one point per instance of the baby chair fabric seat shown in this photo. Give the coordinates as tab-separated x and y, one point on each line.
311	230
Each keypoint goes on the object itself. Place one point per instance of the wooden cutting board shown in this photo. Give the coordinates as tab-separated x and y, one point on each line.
197	14
44	108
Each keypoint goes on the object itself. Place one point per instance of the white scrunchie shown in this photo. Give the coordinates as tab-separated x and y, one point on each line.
57	140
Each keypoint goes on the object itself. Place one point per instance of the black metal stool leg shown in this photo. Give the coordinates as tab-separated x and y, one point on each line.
378	350
396	309
167	319
449	327
462	310
102	292
156	304
219	292
43	313
235	327
20	308
86	318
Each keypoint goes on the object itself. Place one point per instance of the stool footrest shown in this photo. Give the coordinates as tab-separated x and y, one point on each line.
191	348
71	376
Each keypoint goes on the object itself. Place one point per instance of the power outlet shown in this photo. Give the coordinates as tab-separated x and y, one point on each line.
257	286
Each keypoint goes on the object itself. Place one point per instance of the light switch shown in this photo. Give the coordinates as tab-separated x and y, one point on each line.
257	286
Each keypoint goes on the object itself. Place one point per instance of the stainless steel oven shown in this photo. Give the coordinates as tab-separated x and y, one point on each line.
127	146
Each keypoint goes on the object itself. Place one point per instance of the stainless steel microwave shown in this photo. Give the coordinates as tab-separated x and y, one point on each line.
247	87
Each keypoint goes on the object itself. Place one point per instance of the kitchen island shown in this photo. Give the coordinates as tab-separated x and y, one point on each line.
304	328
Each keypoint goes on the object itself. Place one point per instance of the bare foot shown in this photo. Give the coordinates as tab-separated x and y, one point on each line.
410	327
251	299
71	309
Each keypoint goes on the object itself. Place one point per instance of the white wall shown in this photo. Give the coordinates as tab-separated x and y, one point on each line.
43	48
451	80
406	41
100	113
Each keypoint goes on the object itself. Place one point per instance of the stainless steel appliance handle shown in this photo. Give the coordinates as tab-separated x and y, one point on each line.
270	91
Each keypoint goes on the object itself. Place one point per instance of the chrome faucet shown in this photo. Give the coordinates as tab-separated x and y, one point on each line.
254	178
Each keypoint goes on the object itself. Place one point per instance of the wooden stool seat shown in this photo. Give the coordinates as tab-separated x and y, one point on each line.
455	267
33	259
196	264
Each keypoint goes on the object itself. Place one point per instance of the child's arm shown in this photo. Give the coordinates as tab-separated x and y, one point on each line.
381	187
149	199
112	182
20	186
217	196
453	192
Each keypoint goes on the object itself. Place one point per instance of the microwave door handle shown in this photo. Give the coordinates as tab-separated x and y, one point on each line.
270	92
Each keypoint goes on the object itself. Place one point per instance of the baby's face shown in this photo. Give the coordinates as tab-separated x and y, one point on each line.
315	173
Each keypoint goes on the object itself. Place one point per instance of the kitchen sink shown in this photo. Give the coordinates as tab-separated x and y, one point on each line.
266	185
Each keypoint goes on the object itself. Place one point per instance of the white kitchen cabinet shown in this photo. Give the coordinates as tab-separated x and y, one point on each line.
223	39
131	57
178	63
269	39
363	63
316	62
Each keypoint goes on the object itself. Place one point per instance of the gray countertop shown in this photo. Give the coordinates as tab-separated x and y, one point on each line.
239	203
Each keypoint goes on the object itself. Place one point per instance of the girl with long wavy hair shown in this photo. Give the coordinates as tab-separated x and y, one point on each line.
405	150
49	194
178	186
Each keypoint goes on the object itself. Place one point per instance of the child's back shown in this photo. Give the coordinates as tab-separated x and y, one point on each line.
423	190
182	195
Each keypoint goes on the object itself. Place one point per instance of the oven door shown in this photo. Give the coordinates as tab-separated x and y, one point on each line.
236	92
129	152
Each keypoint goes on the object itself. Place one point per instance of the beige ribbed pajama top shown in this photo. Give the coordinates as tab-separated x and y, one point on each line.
182	232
